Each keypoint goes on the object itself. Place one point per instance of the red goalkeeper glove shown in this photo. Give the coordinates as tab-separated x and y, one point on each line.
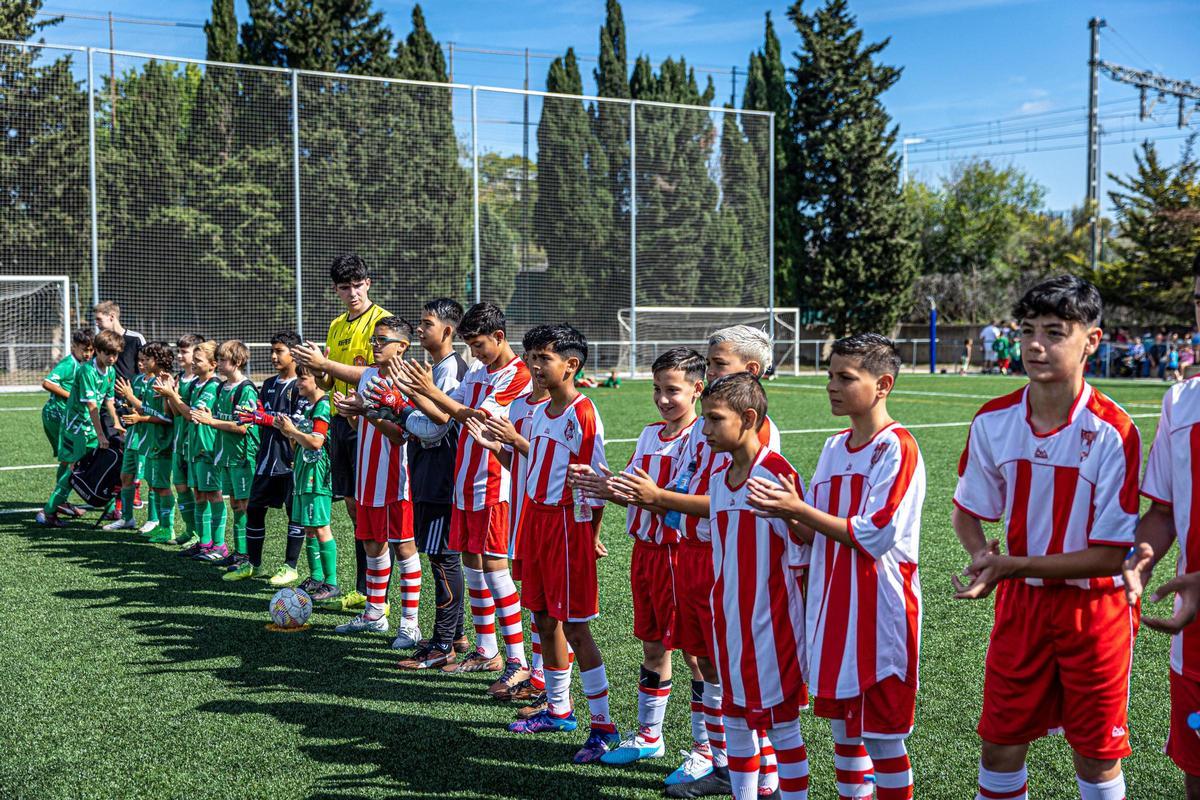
258	416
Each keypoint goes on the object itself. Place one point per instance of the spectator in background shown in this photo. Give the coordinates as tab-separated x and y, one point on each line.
1017	367
1173	374
965	360
108	318
1158	356
1195	343
987	338
1137	358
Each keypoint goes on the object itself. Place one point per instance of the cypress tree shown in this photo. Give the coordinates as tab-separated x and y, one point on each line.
850	234
610	124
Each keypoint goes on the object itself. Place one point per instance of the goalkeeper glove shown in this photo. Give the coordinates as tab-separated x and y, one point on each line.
258	416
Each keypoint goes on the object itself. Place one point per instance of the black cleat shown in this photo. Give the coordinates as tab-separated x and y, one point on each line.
714	783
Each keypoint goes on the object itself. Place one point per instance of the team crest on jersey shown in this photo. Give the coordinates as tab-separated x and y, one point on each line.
1086	440
880	449
569	431
359	361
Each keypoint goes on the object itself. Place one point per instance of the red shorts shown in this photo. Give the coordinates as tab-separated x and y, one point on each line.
483	532
559	564
693	629
1059	659
1183	744
886	710
388	523
652	578
762	719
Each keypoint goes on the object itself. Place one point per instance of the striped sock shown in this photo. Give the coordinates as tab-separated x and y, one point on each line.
595	688
851	763
743	759
378	569
893	770
508	614
652	706
792	758
768	768
699	732
714	723
558	691
536	676
483	612
410	585
1003	785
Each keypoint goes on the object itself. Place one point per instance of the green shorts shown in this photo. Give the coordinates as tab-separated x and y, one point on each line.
158	472
74	446
312	510
51	425
205	477
131	462
179	470
236	480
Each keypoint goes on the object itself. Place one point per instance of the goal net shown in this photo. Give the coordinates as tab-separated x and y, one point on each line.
660	328
35	329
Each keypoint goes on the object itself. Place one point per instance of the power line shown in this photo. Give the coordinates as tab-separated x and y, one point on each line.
1130	138
158	21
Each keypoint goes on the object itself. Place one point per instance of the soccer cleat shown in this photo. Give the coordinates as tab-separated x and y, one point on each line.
428	658
523	692
284	576
138	502
461	646
363	623
162	536
243	571
192	550
215	554
598	744
226	561
476	661
354	599
514	673
328	596
694	767
544	722
408	637
308	586
111	514
148	526
121	525
49	520
537	704
769	793
634	748
69	510
714	783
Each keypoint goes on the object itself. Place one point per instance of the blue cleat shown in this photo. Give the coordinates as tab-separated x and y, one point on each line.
634	748
694	767
544	722
599	743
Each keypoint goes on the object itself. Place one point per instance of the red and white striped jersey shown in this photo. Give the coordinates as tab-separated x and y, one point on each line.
658	456
1060	491
704	463
758	611
1173	479
520	412
575	436
864	602
381	475
479	480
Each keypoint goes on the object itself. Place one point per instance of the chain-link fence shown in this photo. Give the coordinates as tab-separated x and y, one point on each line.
211	198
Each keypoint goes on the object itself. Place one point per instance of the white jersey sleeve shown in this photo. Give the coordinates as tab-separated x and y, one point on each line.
896	491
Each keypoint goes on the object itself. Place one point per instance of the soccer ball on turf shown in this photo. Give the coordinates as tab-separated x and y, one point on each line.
290	608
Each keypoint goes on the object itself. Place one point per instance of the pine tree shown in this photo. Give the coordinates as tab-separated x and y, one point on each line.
850	234
322	35
1157	236
18	19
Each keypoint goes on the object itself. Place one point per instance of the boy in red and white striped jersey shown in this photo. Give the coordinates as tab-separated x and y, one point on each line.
758	608
1172	484
561	531
381	492
1059	461
863	616
479	523
678	381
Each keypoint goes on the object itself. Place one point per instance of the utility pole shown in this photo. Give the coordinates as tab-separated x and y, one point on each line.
904	143
525	173
1093	153
733	94
112	69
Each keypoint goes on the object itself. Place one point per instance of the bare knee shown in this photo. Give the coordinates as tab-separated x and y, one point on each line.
1003	757
1097	770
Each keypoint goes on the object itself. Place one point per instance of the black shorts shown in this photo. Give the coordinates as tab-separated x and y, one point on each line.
343	454
272	491
431	524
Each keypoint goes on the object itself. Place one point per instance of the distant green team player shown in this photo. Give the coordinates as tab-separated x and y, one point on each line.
132	392
59	383
152	430
202	450
82	430
236	444
312	496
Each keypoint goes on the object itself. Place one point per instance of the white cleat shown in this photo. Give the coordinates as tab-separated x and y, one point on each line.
121	525
363	623
148	526
408	638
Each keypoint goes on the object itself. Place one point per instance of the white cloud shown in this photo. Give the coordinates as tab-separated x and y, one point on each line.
1035	106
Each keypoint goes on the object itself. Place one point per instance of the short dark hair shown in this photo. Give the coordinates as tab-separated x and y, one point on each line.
1067	297
348	268
739	391
398	324
562	339
303	371
288	339
81	337
189	340
447	310
482	319
160	353
875	353
684	359
535	334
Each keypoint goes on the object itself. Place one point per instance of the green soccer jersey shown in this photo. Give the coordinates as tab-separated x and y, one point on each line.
91	386
312	466
159	439
187	385
136	440
1002	347
63	376
234	449
202	439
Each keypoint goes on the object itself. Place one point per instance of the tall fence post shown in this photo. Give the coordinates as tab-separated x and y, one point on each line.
296	200
475	187
633	238
771	232
91	89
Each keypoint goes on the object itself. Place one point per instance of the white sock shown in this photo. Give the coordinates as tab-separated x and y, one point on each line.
537	676
652	706
792	758
595	687
768	767
744	761
410	588
508	614
1112	789
714	723
851	763
893	769
1003	785
483	612
378	570
699	732
558	691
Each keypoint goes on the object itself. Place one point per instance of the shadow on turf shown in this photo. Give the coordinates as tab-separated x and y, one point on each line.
190	617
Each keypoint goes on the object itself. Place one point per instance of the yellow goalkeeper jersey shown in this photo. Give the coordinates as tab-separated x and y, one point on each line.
349	341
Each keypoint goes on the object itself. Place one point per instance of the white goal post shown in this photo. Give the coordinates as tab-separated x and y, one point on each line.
660	328
35	328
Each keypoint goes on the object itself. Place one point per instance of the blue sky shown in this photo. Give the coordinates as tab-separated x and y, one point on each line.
1023	62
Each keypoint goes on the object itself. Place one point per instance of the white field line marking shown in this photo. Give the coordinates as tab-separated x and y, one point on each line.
28	466
22	408
935	394
21	510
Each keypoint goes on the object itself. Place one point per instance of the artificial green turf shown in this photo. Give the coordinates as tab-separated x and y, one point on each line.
131	673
